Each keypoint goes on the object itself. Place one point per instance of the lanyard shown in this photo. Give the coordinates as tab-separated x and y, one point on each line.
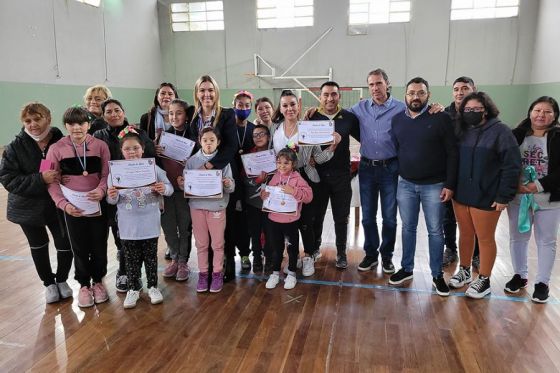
183	134
83	163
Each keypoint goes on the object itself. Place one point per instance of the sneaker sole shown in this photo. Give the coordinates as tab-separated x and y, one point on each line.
86	305
478	295
169	276
215	291
157	301
101	301
401	281
540	301
307	274
388	271
341	266
440	293
181	278
121	290
512	291
129	306
364	269
460	284
201	290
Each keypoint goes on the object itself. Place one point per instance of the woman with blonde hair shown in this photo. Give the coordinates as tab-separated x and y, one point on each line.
93	98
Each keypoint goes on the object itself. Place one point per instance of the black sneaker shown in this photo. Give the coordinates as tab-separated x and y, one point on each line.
400	277
479	288
257	264
461	278
449	256
121	283
388	266
515	284
475	263
167	255
541	293
367	263
341	262
441	287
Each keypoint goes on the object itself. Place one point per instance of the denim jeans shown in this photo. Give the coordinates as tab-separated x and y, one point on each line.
409	197
375	182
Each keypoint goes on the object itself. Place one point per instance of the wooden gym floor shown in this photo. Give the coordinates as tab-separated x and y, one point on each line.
334	321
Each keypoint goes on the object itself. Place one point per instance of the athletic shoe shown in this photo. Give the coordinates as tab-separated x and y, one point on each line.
217	282
121	283
132	297
341	262
257	264
449	256
155	295
461	278
64	290
515	284
317	255
479	288
99	293
183	272
273	280
388	267
308	266
367	263
400	277
290	282
202	284
85	297
541	293
245	263
441	287
171	269
167	255
51	294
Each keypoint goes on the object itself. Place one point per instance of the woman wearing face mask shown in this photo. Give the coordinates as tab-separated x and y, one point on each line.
489	167
156	120
93	98
264	109
538	137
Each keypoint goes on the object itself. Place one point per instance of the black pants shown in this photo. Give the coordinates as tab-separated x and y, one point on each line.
88	239
257	227
450	229
38	240
307	219
237	231
111	212
279	233
336	187
137	252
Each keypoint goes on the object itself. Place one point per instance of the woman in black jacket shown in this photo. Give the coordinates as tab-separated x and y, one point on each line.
25	174
488	173
538	137
156	120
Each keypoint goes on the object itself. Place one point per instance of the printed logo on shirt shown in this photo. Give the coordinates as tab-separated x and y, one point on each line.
534	155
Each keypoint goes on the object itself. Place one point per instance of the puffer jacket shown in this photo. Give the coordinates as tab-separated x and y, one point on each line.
28	199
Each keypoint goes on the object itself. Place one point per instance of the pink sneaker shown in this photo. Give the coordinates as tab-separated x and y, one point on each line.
85	297
99	293
202	285
182	272
217	282
171	269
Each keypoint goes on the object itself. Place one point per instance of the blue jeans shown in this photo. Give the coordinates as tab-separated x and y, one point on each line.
375	182
409	197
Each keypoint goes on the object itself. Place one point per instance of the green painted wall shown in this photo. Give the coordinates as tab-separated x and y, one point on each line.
512	100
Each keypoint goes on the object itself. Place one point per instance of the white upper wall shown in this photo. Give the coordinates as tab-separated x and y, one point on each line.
546	53
493	52
76	44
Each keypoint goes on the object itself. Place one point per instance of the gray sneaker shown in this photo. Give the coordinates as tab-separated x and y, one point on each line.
64	290
341	262
51	294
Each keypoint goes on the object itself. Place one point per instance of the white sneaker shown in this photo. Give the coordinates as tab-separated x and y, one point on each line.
308	266
132	297
51	294
272	281
155	295
64	289
290	282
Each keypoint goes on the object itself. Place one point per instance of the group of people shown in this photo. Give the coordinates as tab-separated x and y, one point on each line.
461	164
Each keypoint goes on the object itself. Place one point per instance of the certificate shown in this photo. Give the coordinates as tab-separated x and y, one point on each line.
315	132
279	201
203	183
256	163
81	201
133	173
176	147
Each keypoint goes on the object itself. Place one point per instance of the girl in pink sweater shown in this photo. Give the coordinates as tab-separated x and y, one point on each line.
283	228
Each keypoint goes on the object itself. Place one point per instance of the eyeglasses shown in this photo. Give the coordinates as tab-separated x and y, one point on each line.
419	94
477	109
258	135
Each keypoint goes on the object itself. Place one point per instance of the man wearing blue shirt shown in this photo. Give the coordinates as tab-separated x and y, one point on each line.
378	170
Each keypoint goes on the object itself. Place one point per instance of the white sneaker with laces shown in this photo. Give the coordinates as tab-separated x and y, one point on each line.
272	281
290	282
155	295
308	266
132	297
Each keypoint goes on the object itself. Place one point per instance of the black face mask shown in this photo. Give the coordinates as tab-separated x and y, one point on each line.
473	118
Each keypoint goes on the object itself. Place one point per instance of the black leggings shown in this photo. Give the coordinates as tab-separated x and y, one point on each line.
136	253
38	240
277	235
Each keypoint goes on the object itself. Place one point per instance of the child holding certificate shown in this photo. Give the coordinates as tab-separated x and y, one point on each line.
83	160
209	214
176	217
138	212
283	227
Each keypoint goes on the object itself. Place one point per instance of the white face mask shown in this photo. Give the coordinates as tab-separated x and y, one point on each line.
41	136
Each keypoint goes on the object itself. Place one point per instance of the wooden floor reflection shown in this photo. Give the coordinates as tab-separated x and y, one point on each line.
329	324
